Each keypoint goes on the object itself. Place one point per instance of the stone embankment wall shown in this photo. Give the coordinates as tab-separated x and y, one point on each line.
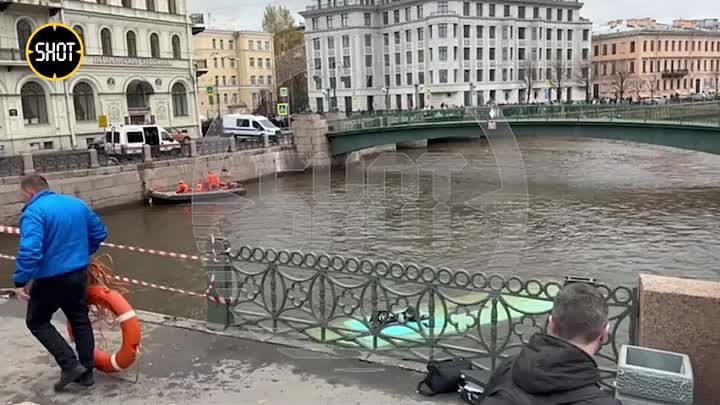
125	184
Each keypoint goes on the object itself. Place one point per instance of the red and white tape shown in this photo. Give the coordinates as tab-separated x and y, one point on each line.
132	281
16	231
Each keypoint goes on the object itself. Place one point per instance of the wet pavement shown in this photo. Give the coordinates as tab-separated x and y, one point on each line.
179	365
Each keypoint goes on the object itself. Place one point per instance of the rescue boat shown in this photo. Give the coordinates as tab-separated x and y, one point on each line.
172	197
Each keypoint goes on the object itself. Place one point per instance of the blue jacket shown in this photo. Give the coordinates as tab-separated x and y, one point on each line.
58	234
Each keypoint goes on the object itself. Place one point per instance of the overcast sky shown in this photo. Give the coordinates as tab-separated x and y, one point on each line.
247	14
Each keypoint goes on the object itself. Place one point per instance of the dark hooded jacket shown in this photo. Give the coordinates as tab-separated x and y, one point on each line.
548	371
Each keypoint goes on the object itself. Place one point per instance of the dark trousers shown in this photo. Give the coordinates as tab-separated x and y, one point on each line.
67	292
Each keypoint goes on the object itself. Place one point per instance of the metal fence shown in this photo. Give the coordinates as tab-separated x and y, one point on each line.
701	114
48	162
402	310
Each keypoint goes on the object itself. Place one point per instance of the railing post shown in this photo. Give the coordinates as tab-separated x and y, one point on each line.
431	321
28	164
374	313
147	153
93	158
266	141
321	279
493	334
193	148
273	295
233	145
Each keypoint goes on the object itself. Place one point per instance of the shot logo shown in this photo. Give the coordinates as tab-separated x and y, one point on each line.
54	51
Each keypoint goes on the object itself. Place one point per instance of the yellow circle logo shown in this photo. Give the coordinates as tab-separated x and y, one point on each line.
54	51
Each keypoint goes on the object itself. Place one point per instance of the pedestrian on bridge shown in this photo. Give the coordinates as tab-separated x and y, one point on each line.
58	234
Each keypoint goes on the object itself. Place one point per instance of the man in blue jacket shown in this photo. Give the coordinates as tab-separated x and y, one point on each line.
58	234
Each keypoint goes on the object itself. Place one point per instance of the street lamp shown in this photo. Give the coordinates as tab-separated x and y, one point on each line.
472	94
418	89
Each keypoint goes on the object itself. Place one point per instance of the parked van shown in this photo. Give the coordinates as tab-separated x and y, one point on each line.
249	126
133	137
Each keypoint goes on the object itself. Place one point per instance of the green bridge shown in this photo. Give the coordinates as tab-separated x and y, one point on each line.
693	126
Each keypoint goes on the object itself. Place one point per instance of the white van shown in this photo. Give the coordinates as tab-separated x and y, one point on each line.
133	137
249	126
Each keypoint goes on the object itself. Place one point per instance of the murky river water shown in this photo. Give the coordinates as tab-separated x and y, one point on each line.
609	210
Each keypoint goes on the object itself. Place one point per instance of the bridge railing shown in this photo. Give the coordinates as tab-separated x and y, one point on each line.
409	311
701	114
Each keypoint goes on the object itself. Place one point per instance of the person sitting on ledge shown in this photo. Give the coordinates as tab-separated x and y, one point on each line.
558	368
182	187
213	182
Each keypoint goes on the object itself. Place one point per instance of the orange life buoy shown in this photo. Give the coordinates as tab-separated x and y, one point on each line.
129	323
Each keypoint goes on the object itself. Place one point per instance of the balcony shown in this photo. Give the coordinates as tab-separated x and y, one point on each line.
200	67
11	57
674	74
197	22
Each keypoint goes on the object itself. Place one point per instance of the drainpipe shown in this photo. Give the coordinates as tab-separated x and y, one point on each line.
71	127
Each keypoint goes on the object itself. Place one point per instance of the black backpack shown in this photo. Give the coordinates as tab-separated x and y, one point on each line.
443	376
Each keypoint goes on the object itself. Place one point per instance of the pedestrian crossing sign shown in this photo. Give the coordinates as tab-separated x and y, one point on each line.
282	109
284	92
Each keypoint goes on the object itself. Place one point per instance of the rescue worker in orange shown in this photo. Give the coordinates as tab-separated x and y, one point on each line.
182	187
213	182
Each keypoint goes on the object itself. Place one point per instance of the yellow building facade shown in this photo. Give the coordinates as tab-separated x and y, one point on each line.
240	74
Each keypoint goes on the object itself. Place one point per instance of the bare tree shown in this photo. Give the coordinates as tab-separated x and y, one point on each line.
715	77
621	79
529	75
653	86
559	77
637	86
583	75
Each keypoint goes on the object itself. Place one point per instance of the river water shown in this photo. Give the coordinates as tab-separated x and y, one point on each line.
583	207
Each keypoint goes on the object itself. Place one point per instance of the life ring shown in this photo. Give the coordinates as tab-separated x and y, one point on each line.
130	325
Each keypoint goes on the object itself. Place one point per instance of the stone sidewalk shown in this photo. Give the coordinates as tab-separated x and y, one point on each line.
184	366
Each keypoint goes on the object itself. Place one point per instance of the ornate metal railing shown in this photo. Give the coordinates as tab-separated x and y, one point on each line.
705	114
213	146
11	165
61	161
403	310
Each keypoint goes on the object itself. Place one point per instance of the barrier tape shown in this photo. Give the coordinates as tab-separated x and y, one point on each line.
214	298
16	231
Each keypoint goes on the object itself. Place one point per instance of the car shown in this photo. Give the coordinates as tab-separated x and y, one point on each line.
243	126
130	139
181	136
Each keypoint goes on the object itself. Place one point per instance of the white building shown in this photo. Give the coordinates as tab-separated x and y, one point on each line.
137	67
374	54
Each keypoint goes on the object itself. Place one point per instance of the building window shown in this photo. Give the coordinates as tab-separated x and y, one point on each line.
260	63
253	80
442	30
346	41
261	80
230	44
222	44
80	33
127	3
368	19
131	44
232	62
632	46
330	43
479	9
344	20
150	5
213	42
386	21
267	63
176	47
267	45
33	104
328	22
408	17
420	11
215	63
442	53
506	11
251	45
154	46
614	49
521	12
84	102
442	7
172	7
106	42
315	24
466	9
